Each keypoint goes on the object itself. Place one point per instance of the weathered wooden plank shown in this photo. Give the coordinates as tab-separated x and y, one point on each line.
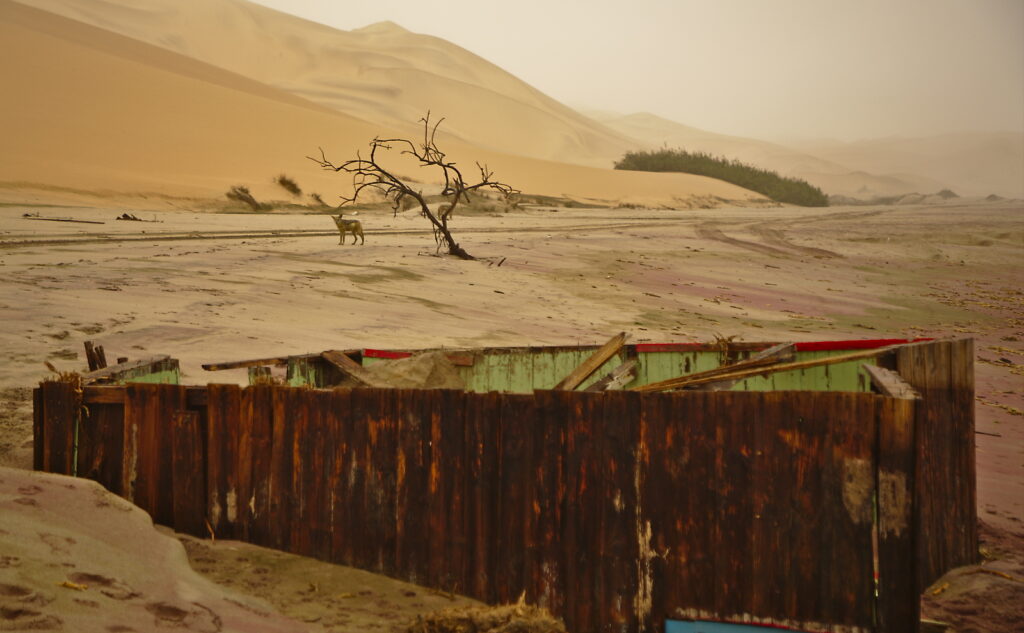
545	563
965	551
735	420
101	445
256	362
618	548
60	413
889	383
335	470
592	363
759	368
90	356
148	412
773	471
898	592
281	463
846	509
381	491
38	436
188	492
222	439
515	485
300	411
482	411
449	486
106	372
580	522
412	537
255	476
349	367
315	473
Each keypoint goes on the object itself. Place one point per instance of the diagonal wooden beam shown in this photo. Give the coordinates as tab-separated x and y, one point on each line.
592	364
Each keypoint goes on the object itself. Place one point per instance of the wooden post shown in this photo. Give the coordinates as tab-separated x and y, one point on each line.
60	413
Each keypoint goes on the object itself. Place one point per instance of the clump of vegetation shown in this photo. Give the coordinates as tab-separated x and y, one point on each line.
240	193
947	194
289	185
767	183
315	197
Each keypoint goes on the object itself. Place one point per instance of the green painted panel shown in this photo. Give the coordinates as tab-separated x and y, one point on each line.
166	372
544	370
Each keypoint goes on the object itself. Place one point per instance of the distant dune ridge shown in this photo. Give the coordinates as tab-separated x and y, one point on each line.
189	97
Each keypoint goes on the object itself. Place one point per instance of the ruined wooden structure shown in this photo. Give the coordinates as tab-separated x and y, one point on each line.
617	510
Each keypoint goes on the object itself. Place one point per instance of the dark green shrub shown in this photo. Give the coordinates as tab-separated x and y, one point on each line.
767	183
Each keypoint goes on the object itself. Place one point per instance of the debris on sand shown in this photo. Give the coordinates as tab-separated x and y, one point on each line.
509	618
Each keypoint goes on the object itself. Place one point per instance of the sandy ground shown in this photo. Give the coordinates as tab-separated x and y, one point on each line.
206	288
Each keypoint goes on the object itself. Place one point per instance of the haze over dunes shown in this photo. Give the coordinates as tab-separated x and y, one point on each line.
188	97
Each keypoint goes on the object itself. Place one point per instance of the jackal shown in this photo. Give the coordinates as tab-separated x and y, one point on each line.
353	226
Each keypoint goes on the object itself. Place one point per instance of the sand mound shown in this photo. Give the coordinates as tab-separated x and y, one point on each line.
74	557
429	370
509	618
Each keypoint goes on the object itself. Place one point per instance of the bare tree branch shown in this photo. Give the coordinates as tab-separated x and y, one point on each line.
369	174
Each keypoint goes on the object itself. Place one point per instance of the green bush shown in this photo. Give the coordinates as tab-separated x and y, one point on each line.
767	183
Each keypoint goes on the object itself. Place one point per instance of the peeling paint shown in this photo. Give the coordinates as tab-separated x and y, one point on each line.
894	503
232	502
858	483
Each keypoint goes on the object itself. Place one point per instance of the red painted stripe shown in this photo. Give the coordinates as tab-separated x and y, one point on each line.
824	346
381	353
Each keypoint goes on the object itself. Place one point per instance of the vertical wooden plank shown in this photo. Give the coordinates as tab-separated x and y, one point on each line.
280	468
965	550
447	484
619	550
223	412
38	436
381	501
412	538
258	418
514	494
316	476
100	445
355	550
482	413
546	561
335	469
301	411
148	422
811	416
737	415
188	492
846	582
60	411
898	592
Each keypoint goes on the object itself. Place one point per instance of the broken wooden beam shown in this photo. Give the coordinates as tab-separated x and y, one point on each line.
106	372
256	362
739	374
592	364
889	383
349	367
773	355
616	378
101	357
90	356
783	352
28	217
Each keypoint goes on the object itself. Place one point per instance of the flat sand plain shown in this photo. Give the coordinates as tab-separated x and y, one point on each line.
221	287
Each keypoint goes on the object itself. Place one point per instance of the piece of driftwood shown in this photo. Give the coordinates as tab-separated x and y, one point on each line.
616	378
347	366
771	368
592	364
780	353
90	356
889	383
63	220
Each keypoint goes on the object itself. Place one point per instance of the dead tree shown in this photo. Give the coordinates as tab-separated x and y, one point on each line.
368	173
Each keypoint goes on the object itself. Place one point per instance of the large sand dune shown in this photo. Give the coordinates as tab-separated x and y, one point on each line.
101	113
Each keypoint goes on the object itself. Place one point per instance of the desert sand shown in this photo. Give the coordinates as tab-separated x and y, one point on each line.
220	287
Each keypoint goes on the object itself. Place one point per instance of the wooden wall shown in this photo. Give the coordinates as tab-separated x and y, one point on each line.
616	510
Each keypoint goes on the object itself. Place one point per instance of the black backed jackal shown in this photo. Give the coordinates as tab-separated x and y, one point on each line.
349	226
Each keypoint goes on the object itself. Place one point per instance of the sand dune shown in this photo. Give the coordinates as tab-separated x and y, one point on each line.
972	164
100	112
833	177
381	73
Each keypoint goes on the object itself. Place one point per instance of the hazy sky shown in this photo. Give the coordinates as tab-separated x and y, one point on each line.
775	69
